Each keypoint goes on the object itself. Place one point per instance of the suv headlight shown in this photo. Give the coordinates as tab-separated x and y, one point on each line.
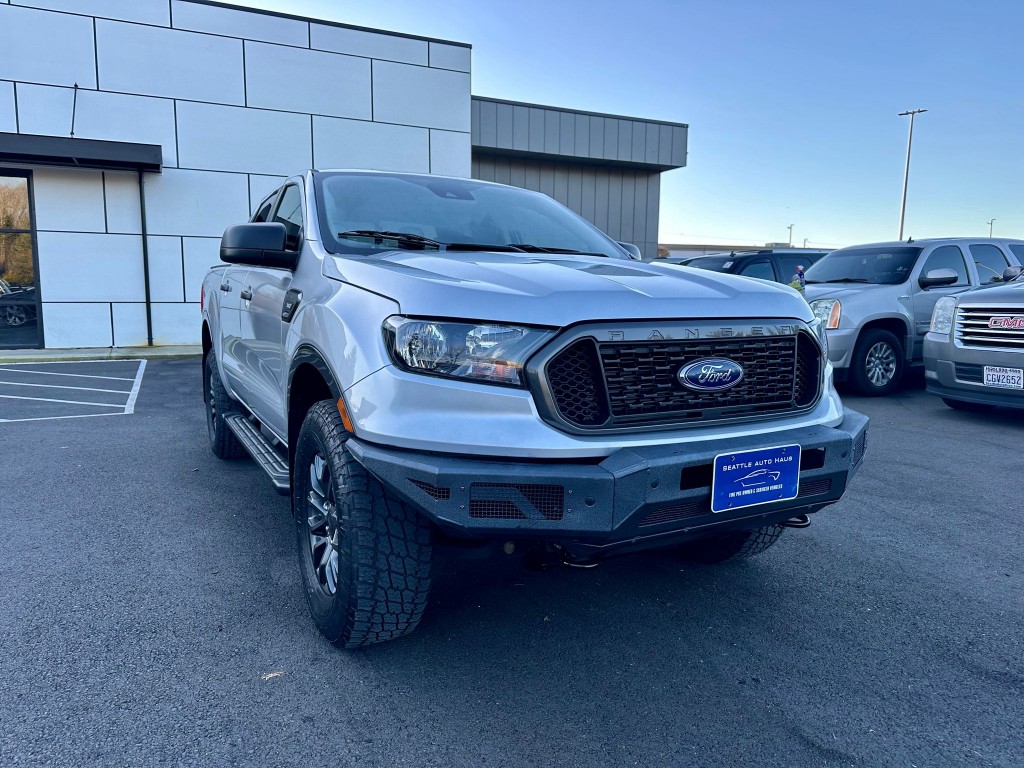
476	351
828	311
942	315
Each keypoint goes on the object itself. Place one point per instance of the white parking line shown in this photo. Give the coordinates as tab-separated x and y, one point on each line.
74	375
58	386
127	408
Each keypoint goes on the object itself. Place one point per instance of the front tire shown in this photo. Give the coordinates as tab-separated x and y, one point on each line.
877	366
364	556
736	545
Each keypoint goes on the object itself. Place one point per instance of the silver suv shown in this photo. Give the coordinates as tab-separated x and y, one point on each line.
876	300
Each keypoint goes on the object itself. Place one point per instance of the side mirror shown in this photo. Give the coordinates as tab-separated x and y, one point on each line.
259	245
1011	273
632	251
938	277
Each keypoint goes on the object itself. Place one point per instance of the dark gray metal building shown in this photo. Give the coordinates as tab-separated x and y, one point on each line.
607	168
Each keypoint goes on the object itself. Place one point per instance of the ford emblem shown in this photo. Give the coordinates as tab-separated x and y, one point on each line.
711	374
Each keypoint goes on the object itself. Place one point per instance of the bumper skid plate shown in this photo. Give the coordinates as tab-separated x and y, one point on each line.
633	493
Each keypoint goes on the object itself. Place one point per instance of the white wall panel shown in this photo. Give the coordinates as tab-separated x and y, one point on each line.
450	153
238	23
166	282
200	253
90	267
46	47
200	203
450	57
176	324
129	325
299	80
69	200
143	11
8	119
47	111
169	62
435	98
379	146
77	325
122	190
370	44
261	186
243	140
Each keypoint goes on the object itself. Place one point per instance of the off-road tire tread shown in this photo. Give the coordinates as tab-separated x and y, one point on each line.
389	546
733	546
223	443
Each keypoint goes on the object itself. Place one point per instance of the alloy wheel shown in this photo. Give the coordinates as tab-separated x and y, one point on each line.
880	364
15	316
324	527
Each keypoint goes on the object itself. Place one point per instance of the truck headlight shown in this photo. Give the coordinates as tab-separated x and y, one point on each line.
828	311
942	315
476	351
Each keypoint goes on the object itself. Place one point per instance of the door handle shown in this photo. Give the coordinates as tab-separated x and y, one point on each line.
225	287
246	294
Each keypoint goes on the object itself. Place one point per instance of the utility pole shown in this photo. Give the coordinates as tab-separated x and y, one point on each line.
805	242
989	222
906	171
790	241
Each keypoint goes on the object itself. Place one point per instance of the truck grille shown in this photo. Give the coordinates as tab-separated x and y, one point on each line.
998	327
614	385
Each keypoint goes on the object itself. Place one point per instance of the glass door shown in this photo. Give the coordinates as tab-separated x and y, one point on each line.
19	300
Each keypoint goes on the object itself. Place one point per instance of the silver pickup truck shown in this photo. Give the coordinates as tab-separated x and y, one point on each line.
417	358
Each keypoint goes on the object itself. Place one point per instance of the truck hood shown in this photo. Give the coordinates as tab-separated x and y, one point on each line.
1011	294
557	290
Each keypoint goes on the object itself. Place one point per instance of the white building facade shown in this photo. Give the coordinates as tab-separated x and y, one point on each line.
235	100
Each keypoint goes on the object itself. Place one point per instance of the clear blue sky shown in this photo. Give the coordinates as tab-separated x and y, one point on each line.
791	104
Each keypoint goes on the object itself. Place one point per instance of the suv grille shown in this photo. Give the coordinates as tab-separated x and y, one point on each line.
974	327
611	385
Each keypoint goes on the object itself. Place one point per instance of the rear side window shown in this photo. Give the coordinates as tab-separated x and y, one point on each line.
948	257
990	262
788	265
759	269
1018	251
289	213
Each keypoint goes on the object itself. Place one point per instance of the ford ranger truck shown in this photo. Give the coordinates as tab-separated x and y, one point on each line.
414	358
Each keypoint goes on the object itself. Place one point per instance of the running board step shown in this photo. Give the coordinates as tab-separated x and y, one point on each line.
261	450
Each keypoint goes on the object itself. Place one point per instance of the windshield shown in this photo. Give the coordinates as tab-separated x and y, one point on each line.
367	213
881	266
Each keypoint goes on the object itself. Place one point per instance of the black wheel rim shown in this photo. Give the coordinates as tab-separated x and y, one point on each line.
211	406
323	525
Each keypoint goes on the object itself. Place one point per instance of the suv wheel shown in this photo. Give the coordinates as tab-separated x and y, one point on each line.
877	365
736	545
364	556
219	403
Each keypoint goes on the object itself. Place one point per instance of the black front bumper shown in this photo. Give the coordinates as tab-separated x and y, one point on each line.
634	494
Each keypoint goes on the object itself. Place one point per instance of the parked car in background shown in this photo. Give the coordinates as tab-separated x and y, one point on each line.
876	300
17	304
974	350
778	265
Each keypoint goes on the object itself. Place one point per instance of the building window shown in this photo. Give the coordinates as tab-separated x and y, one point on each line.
20	325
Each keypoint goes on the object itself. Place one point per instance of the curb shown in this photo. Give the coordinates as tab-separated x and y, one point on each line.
100	353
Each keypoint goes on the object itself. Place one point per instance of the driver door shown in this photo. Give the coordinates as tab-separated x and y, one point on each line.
263	329
942	257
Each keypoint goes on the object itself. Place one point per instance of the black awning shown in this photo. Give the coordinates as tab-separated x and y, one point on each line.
80	153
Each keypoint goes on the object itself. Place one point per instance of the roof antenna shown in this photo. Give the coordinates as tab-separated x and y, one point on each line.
910	239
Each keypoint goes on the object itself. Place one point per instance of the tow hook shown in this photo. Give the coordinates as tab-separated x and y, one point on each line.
800	521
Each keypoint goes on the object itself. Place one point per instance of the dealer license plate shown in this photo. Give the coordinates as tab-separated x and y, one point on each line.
1005	378
748	478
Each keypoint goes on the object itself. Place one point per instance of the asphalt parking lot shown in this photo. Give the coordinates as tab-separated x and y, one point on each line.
152	615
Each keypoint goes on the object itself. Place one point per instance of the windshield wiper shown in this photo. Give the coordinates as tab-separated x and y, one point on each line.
403	239
842	280
530	248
